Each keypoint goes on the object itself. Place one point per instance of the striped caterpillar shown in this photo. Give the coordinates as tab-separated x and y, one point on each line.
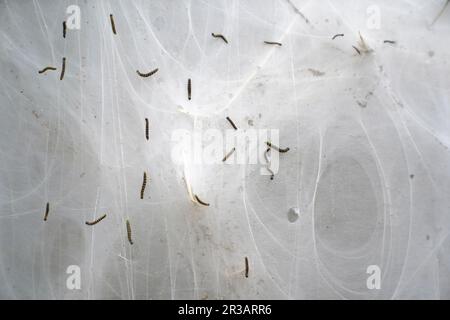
64	29
232	123
96	221
272	42
47	209
337	35
219	36
145	75
189	88
277	148
246	267
357	50
268	162
63	70
46	68
200	201
228	155
129	232
113	25
441	12
144	183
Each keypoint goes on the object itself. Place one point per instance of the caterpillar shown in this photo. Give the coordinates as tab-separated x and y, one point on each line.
64	29
63	70
219	36
357	50
246	267
47	209
146	128
277	148
96	221
272	42
189	88
232	123
144	183
113	25
441	12
200	201
389	41
46	68
145	75
337	35
129	232
228	155
268	162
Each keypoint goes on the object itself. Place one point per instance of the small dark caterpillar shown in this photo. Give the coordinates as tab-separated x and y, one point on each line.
46	68
144	183
228	155
129	232
113	26
268	162
246	267
200	201
277	148
96	221
357	50
232	123
337	35
271	42
389	41
64	29
47	209
145	75
219	36
146	128
63	70
189	88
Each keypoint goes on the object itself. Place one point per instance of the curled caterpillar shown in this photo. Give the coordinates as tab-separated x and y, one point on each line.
228	155
63	70
64	29
145	75
96	221
189	89
46	68
129	232
268	162
246	267
277	148
357	50
144	183
272	42
146	128
232	123
200	201
389	41
219	36
337	35
113	25
47	210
